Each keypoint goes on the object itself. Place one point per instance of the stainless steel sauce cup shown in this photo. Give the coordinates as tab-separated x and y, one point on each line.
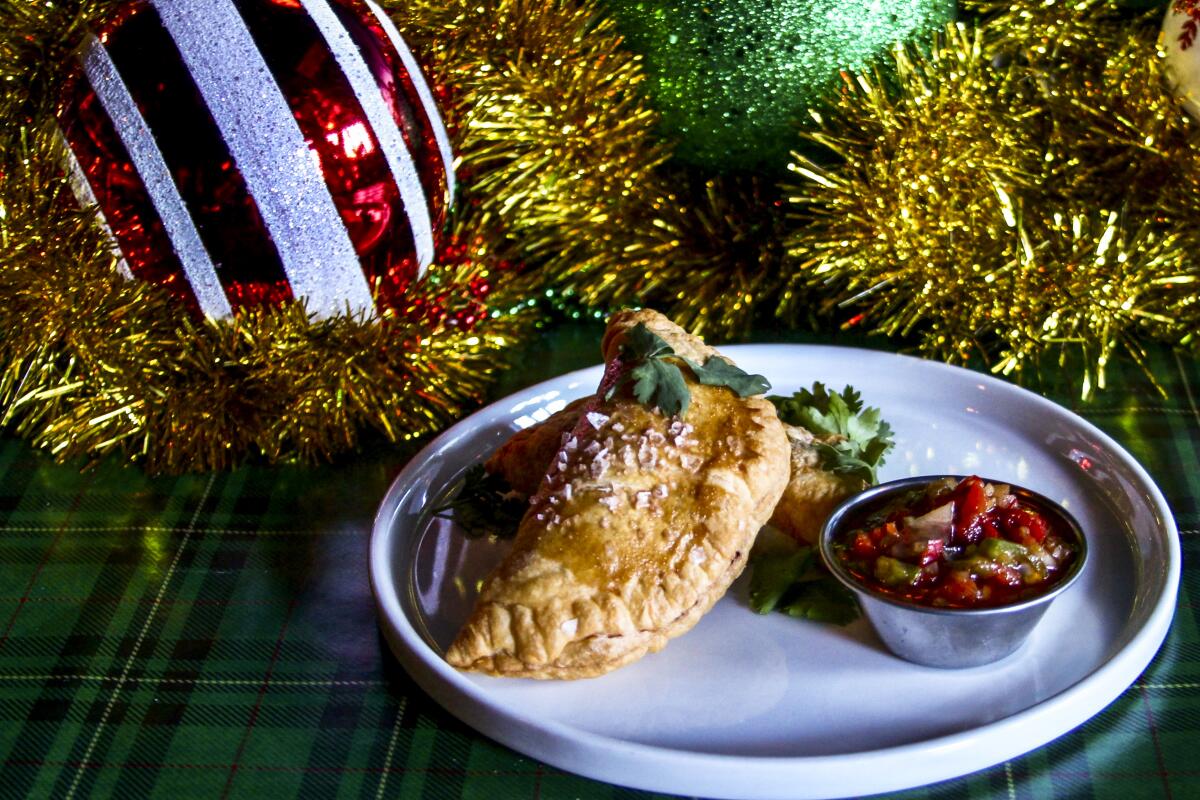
949	637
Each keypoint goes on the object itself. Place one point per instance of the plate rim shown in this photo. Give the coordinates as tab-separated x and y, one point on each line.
666	769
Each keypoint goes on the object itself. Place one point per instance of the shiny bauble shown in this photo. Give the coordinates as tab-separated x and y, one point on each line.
733	78
261	151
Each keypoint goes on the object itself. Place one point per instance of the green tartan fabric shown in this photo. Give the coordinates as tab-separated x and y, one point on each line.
215	636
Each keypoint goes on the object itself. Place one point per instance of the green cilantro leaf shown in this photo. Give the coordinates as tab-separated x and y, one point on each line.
659	383
483	505
719	372
823	600
773	576
864	437
641	343
794	583
819	410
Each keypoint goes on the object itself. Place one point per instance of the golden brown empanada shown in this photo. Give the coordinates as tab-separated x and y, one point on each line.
812	493
810	497
642	523
522	460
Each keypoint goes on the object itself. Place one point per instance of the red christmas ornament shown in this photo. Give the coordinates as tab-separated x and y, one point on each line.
261	151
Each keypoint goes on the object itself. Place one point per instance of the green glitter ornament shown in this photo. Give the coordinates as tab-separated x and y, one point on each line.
732	78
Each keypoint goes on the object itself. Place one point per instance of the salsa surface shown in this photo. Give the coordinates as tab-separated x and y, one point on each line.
969	544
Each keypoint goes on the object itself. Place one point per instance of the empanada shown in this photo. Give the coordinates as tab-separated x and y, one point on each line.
812	493
522	461
810	497
642	523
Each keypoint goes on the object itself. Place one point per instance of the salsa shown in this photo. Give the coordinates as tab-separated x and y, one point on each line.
969	544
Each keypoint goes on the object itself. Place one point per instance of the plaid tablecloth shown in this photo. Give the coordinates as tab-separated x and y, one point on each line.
215	635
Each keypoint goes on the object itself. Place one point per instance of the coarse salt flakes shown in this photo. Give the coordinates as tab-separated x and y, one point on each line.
596	419
609	502
627	457
598	466
642	500
647	456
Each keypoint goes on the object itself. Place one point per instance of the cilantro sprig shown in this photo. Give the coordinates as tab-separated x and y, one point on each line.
658	380
794	583
865	437
483	505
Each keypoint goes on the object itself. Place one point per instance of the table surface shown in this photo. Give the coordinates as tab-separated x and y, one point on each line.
215	636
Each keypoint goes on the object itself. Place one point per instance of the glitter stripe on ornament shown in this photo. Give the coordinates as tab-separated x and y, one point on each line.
382	123
156	177
427	102
82	190
271	153
213	188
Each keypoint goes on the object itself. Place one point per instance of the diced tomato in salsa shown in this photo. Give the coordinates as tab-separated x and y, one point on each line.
862	546
958	589
990	548
1015	519
970	504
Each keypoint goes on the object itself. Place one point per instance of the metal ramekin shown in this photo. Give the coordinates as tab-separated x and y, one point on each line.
950	637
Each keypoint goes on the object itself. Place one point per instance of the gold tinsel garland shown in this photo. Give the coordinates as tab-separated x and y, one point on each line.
1025	190
91	364
953	179
569	159
1026	187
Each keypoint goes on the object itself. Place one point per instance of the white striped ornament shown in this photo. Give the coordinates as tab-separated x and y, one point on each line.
427	101
148	160
380	118
271	153
87	198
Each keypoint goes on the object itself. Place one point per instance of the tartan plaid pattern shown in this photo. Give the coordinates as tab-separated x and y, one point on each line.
214	636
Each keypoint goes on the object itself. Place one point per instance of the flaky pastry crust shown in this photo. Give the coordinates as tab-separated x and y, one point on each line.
640	526
812	493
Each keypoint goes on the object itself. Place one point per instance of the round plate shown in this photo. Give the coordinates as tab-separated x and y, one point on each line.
769	706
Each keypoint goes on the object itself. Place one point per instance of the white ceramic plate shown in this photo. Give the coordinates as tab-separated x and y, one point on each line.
762	707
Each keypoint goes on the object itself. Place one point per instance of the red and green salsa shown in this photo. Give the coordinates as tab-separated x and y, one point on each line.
969	544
